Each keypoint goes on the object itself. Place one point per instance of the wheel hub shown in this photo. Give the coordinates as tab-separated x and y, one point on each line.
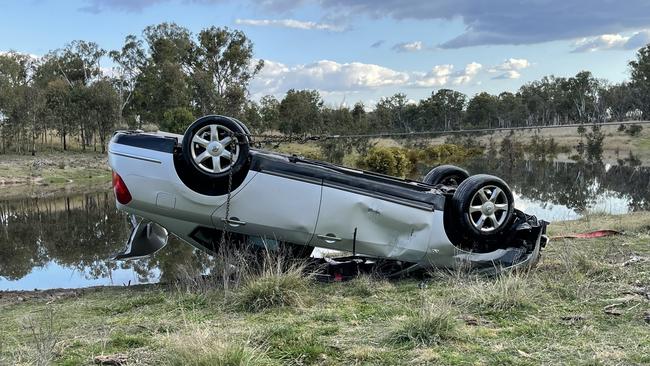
487	208
215	148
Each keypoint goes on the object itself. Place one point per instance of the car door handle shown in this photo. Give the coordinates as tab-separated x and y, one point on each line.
329	238
234	222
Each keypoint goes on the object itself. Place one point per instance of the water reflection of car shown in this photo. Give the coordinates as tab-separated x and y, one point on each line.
211	180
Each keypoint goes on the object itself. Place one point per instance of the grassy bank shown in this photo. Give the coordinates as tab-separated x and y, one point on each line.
51	172
586	303
617	144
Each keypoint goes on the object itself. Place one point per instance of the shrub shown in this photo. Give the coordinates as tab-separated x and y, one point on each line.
176	120
386	160
634	130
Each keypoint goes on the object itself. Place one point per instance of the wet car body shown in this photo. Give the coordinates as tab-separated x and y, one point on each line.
302	202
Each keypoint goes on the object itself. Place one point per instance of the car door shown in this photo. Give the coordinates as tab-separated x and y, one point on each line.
274	207
351	221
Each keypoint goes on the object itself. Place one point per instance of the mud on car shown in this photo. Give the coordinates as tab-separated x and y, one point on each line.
212	180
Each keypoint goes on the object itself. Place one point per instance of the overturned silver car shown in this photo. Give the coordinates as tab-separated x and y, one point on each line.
211	180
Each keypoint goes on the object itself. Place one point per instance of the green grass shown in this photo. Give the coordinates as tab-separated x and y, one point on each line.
554	314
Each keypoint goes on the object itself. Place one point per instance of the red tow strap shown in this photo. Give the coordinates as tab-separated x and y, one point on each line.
589	235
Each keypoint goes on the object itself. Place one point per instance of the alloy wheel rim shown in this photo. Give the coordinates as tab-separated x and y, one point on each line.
214	149
488	208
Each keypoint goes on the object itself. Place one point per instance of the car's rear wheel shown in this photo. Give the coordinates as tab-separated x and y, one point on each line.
481	208
216	146
448	175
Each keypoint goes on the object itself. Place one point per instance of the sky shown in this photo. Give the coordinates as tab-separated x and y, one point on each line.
362	50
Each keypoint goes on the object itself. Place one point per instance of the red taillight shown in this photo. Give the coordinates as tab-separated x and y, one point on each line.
121	192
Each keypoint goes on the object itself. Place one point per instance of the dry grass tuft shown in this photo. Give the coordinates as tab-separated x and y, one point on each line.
508	291
205	347
44	336
433	324
277	281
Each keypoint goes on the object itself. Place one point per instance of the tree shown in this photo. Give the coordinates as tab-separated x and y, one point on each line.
20	103
640	80
223	69
583	92
482	111
57	101
104	107
78	62
395	113
164	83
619	100
270	111
300	112
510	110
450	105
129	62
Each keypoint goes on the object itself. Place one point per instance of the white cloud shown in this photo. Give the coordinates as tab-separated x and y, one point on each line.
510	68
408	46
290	23
327	76
510	74
442	75
468	74
612	42
333	77
438	76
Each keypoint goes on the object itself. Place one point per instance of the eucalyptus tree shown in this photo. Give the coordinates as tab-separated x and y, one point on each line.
104	105
640	80
619	99
129	61
20	102
395	113
300	112
270	112
164	82
482	111
222	71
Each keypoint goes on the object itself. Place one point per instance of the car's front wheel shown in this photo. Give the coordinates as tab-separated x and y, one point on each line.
481	209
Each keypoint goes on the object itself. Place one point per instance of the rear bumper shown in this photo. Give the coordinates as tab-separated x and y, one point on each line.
146	238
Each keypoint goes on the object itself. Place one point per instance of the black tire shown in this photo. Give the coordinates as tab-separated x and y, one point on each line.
448	175
467	223
227	127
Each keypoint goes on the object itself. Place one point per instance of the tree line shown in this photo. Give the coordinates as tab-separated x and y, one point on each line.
168	76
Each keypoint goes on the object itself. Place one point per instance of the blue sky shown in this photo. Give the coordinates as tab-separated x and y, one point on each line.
419	46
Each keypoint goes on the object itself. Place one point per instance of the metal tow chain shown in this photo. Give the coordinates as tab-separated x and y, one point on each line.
227	216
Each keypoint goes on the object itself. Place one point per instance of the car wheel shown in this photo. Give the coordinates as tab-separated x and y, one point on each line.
481	208
448	175
216	146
